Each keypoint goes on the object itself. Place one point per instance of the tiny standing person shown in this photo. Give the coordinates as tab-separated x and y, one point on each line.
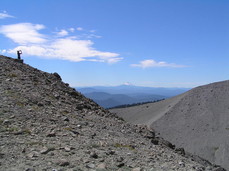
19	52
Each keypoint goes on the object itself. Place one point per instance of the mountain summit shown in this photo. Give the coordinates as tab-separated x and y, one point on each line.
46	125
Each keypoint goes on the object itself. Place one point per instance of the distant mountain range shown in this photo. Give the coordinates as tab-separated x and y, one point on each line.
108	96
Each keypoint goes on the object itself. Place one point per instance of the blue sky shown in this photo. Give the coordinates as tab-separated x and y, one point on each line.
156	43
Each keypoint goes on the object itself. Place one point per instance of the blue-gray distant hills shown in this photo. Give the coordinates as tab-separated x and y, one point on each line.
112	96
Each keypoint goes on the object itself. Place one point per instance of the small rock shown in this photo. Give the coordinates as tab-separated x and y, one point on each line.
93	135
6	122
94	155
67	149
168	144
1	155
101	160
52	120
86	160
63	162
120	159
91	166
181	163
66	119
45	150
208	168
101	166
40	104
33	154
30	169
48	102
51	134
78	126
120	164
150	134
91	125
75	132
19	132
23	150
155	141
51	154
219	169
57	96
137	169
111	152
76	169
57	75
180	151
8	79
79	107
13	116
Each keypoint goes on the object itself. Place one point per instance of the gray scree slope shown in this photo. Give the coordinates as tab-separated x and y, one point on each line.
197	120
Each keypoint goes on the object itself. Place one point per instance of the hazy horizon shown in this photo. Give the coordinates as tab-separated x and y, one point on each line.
126	85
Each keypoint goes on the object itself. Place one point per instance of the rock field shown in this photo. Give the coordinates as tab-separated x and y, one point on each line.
45	125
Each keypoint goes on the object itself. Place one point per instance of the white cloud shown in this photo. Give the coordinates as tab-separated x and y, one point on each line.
62	33
3	51
151	63
90	36
23	33
79	28
67	48
5	15
71	29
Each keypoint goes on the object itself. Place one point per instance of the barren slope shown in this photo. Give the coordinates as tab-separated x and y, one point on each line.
197	120
47	126
147	113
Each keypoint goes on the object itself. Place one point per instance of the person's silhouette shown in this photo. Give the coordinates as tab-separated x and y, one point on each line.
19	52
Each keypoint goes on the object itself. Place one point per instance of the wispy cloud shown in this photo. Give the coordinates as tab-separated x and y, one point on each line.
23	33
151	63
33	43
5	15
91	36
62	33
71	29
3	51
79	28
